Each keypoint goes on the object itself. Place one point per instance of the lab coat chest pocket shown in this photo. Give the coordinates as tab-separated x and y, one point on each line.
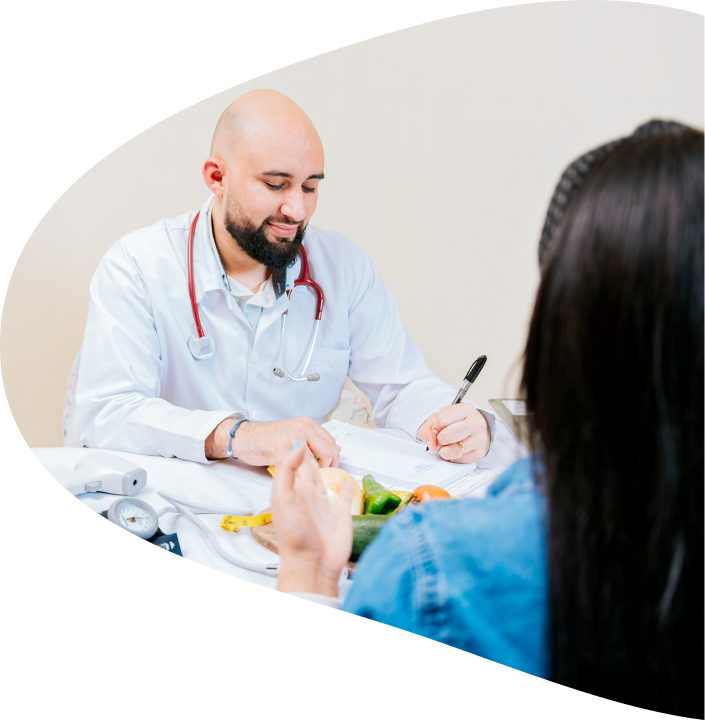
323	395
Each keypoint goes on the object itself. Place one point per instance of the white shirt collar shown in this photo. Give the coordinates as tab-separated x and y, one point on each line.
266	297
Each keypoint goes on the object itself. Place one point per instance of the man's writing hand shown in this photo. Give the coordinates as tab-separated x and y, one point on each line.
255	443
455	424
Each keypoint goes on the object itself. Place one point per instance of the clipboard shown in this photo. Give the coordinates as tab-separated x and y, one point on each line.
515	416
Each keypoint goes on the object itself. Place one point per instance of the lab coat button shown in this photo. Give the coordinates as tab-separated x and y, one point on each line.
255	415
254	356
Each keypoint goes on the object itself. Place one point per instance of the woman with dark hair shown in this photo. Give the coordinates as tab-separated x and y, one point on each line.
584	563
614	376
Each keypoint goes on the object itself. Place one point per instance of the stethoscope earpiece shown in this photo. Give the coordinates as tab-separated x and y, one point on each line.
314	377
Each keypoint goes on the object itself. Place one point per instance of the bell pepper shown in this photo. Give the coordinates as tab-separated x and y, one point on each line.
378	501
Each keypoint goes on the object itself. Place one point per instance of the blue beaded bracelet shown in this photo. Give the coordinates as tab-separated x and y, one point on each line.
232	432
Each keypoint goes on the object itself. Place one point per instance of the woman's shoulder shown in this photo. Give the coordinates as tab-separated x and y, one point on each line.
519	477
504	533
470	573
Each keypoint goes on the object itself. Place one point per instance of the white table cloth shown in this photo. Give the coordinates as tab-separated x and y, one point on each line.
227	483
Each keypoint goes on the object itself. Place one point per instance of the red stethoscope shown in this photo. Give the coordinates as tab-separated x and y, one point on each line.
202	346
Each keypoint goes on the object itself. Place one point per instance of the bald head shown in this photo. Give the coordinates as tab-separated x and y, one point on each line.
265	167
258	118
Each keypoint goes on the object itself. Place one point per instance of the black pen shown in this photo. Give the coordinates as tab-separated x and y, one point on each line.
473	372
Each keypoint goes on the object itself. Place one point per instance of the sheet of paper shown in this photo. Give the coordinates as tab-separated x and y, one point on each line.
402	464
484	472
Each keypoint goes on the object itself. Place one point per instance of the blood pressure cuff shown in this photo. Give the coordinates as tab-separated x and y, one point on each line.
170	543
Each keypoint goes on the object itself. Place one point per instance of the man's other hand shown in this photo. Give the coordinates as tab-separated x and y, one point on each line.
255	443
463	423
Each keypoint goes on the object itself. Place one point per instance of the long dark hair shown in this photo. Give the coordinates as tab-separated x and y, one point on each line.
613	375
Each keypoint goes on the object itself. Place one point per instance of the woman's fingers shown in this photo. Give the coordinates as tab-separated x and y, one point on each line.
289	457
344	499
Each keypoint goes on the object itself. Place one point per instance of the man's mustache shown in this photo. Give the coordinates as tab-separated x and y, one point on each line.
282	221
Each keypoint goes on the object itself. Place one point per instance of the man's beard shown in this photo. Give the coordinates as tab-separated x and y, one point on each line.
276	254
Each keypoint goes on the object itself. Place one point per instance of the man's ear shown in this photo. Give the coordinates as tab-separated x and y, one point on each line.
213	173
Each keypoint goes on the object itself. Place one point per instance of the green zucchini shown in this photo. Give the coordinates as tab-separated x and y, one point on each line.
365	529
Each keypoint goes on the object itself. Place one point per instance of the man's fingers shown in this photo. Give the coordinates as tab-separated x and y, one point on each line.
469	452
458	431
458	422
336	458
427	432
324	451
320	430
321	442
453	413
462	423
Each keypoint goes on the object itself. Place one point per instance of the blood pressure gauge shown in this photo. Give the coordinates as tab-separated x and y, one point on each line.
134	515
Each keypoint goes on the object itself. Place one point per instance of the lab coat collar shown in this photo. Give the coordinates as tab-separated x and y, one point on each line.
208	270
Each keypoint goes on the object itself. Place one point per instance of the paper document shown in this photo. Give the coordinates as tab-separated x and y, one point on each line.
402	464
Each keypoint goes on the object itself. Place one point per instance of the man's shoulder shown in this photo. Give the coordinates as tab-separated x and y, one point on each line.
156	239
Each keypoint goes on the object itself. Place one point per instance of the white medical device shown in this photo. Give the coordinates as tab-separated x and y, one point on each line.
182	506
135	516
101	472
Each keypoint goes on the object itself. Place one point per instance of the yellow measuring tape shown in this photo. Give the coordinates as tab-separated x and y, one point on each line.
234	522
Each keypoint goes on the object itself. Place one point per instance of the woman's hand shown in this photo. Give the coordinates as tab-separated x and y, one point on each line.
314	535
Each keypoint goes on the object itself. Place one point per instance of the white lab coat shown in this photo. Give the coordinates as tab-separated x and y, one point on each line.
140	390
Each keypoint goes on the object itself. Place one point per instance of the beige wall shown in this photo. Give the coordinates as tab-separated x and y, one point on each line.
443	145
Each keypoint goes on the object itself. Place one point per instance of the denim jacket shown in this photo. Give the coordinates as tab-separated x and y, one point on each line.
470	573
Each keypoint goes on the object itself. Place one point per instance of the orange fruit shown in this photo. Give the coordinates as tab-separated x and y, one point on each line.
424	493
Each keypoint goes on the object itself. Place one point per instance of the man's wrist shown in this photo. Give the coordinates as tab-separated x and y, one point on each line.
232	449
216	445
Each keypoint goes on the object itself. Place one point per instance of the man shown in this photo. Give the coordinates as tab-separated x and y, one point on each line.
142	387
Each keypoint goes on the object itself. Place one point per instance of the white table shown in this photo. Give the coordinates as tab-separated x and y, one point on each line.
227	483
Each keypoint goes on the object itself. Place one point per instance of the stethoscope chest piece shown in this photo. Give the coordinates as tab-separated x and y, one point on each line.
201	347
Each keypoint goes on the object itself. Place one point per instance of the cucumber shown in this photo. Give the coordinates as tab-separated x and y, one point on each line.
365	529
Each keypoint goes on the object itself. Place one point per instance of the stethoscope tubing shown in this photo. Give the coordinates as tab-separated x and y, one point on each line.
287	375
202	346
271	569
191	283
